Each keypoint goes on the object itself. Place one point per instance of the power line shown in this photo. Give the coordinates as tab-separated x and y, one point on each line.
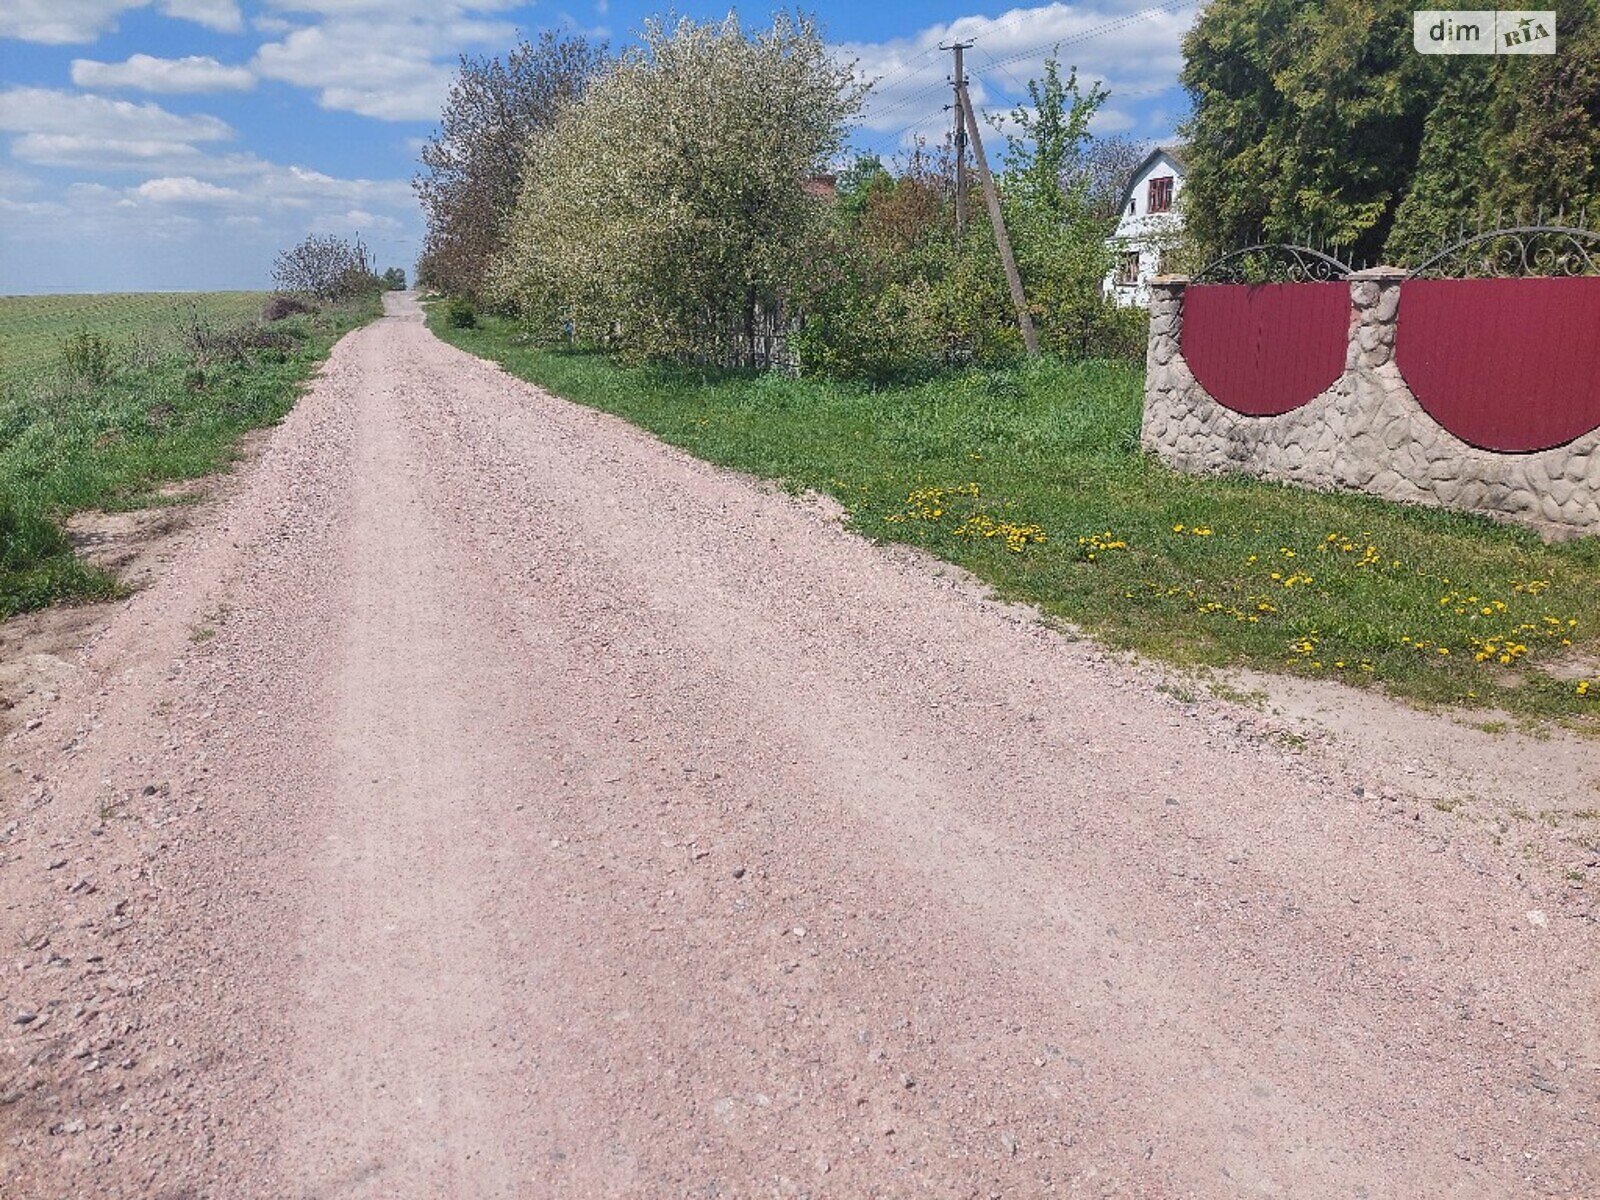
912	63
1001	64
891	141
906	67
912	98
1097	31
1022	88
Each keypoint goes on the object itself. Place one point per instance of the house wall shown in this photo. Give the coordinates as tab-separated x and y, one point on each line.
1366	432
1144	232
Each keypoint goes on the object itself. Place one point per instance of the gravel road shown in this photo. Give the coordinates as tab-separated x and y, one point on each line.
489	801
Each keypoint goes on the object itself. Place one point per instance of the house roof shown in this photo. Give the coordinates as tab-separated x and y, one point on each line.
1175	153
821	187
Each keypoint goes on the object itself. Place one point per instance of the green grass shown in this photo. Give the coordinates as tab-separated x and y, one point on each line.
1201	571
32	328
168	406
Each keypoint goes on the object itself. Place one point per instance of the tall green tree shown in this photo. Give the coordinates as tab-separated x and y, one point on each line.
1051	134
1059	235
1307	120
1448	194
1543	151
1317	119
473	165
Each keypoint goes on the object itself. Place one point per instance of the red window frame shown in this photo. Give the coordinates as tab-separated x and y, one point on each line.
1160	197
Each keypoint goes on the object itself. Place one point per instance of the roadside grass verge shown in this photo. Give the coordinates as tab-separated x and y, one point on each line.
1032	479
99	408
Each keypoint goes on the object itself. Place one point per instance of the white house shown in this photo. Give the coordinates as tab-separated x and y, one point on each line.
1148	226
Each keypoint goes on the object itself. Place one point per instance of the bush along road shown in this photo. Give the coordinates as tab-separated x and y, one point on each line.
493	801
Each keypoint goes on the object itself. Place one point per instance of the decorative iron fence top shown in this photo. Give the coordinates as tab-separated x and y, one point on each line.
1274	262
1517	252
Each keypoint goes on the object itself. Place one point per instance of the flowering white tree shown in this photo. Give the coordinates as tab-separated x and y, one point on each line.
668	206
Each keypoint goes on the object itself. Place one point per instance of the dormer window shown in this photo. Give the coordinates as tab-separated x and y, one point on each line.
1160	194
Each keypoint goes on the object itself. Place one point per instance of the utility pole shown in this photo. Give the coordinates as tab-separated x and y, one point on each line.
1002	242
959	136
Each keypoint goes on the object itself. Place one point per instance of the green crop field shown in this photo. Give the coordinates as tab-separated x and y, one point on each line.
32	328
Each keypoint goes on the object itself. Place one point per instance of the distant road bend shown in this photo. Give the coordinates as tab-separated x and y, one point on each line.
493	802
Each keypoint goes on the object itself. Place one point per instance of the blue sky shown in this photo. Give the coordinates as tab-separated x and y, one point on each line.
178	144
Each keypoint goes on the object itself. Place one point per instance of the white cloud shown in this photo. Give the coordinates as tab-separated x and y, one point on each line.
104	154
372	72
388	59
149	74
33	208
1111	120
1119	42
70	129
57	22
33	110
436	10
184	189
356	220
301	187
218	223
16	183
61	22
222	15
16	190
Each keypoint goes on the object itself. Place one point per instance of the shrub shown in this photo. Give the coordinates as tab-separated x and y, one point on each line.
1108	331
86	357
458	314
329	268
206	342
280	306
394	279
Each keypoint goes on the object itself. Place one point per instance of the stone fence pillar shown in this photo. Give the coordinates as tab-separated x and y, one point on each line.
1371	387
1166	317
1162	355
1374	301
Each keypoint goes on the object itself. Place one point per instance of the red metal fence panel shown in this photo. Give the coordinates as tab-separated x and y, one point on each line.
1504	364
1265	349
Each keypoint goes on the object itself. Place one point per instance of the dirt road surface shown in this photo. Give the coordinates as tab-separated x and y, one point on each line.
488	801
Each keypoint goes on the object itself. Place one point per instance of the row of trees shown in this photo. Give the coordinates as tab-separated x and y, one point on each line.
666	202
674	202
1317	119
474	166
667	214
